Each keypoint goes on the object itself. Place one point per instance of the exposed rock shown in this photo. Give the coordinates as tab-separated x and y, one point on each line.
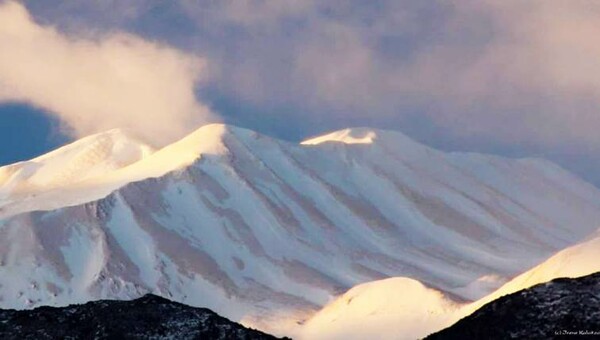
149	317
561	308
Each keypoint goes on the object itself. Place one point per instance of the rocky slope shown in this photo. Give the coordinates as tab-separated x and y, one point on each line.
561	308
267	232
149	317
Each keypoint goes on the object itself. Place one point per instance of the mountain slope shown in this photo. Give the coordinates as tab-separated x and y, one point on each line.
575	261
149	317
267	232
562	308
405	309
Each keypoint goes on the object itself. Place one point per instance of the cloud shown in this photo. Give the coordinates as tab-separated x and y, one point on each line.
520	73
533	79
509	71
102	82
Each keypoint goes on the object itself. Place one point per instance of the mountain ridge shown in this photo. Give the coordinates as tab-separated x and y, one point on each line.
207	139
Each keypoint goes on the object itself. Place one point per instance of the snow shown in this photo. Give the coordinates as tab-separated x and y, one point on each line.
346	136
93	167
87	158
269	232
398	308
84	257
59	178
138	244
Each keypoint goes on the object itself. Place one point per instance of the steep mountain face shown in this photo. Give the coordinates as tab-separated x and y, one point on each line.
562	308
267	232
149	317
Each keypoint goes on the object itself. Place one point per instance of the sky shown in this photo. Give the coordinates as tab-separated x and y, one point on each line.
509	77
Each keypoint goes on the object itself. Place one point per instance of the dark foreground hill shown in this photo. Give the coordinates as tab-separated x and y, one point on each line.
149	317
562	308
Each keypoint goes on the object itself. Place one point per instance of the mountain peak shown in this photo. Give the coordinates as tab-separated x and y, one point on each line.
346	136
117	136
364	135
80	160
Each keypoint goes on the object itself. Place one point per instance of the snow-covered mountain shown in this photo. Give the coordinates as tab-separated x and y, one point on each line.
267	232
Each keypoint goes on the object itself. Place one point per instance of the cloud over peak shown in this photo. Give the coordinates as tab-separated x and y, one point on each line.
483	75
95	84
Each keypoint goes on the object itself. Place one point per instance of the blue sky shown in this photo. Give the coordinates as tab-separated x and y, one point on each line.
26	132
508	77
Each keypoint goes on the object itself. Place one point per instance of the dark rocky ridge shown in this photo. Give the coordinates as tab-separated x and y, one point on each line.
559	309
149	317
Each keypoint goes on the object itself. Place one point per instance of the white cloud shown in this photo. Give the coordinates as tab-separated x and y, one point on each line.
94	84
